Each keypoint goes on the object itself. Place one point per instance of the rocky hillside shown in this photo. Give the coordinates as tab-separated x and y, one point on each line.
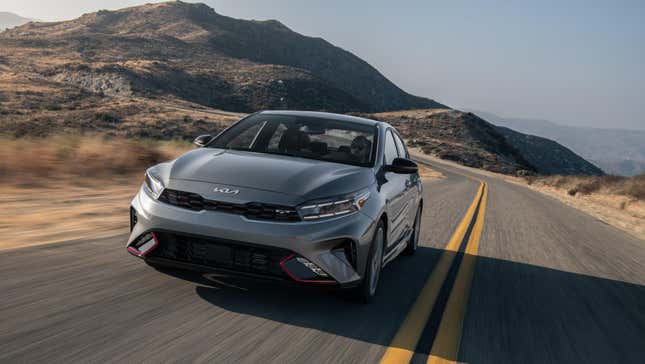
616	151
467	139
188	51
547	156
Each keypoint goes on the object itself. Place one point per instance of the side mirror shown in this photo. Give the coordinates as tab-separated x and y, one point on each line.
402	166
202	140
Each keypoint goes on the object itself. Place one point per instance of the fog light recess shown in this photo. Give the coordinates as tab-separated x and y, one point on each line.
144	245
303	270
133	218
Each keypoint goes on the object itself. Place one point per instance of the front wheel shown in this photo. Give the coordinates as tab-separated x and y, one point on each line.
367	289
413	243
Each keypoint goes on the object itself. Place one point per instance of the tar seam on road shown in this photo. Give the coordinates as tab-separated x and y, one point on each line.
414	330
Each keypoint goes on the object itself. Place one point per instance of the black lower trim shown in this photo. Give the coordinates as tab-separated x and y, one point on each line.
233	258
208	269
168	263
219	253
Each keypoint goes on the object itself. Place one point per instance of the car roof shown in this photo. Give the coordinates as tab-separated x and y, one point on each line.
323	115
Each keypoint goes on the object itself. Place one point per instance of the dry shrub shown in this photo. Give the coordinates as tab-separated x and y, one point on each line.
633	187
115	157
589	186
530	179
23	160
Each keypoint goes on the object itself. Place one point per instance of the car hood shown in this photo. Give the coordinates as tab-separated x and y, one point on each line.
276	173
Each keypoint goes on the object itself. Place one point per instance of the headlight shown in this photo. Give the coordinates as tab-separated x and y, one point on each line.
153	184
341	205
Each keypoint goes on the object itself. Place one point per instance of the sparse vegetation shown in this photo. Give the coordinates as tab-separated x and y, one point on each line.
618	201
633	187
457	136
32	108
106	117
38	160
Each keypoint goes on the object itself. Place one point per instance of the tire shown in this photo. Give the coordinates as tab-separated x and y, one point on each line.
367	290
413	242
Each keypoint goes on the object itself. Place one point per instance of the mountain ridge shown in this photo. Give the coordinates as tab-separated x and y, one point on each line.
616	151
176	37
465	138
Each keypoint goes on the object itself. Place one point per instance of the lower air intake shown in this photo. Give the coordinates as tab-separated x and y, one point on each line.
221	253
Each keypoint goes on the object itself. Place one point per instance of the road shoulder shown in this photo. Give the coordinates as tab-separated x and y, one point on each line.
620	212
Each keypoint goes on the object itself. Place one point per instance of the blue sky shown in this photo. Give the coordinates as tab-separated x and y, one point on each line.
573	62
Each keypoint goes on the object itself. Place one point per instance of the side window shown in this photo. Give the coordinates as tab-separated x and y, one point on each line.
403	152
246	137
389	148
275	138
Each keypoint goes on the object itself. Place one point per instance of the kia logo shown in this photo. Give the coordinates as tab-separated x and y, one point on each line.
225	190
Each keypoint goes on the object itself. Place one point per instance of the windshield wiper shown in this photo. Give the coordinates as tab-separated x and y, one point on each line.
233	148
284	153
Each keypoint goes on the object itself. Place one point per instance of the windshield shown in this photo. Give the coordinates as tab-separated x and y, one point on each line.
305	137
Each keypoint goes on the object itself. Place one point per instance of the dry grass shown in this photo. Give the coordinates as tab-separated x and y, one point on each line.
63	211
633	187
410	114
74	158
65	188
619	210
618	201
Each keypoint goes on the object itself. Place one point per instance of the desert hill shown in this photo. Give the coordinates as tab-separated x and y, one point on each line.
616	151
191	52
465	138
175	70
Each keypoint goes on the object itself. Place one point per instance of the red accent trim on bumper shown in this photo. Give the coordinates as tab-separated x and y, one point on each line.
138	253
298	279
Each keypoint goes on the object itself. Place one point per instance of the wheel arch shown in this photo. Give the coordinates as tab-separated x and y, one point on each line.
384	219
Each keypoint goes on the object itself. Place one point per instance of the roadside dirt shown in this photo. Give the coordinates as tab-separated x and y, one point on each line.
622	212
64	210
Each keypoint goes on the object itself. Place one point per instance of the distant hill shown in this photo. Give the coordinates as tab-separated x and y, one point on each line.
547	156
616	151
467	139
9	20
191	52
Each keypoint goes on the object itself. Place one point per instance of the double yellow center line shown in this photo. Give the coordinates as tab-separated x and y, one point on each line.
445	347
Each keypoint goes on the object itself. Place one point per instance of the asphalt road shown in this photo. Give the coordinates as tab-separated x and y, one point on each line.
548	284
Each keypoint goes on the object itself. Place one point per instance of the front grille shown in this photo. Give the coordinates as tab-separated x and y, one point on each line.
220	253
252	210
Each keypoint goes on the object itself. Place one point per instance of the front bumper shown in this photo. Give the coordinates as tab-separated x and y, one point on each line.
218	241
